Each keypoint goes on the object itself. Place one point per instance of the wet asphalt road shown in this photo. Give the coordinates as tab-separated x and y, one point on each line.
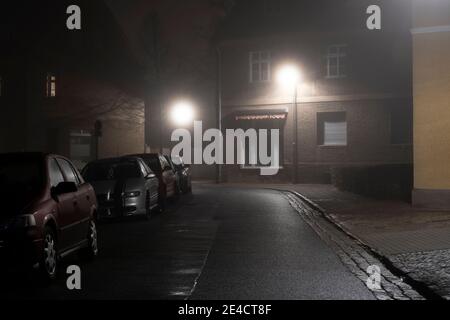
220	243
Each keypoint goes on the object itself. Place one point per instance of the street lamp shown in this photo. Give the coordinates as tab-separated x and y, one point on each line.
182	113
288	77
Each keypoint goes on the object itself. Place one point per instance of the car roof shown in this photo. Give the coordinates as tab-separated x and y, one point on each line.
30	155
145	155
115	160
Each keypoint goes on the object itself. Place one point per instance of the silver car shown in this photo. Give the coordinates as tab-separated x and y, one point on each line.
124	187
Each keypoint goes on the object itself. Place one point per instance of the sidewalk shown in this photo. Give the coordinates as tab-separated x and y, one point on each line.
416	241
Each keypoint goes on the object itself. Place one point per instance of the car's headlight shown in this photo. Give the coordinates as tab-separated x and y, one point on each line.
24	221
132	194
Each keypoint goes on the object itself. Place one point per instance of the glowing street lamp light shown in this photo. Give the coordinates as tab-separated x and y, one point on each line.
288	76
182	113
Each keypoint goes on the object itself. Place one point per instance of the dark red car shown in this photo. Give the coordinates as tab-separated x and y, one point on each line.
48	211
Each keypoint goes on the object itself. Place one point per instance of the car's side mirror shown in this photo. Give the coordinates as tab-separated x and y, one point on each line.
64	188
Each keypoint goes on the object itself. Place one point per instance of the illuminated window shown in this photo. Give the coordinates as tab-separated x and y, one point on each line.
51	86
336	61
260	66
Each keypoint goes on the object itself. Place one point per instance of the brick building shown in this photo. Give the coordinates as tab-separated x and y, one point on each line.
57	84
354	99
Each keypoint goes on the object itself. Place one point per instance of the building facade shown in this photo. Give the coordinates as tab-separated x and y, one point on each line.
431	49
70	92
354	98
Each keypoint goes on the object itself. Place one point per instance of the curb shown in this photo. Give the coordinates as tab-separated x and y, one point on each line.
419	286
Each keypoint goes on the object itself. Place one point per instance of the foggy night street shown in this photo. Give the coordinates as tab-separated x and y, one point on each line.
224	158
256	246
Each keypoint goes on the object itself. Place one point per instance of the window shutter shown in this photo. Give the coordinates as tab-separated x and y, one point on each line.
335	133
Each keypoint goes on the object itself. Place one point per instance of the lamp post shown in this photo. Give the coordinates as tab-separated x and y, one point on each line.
289	77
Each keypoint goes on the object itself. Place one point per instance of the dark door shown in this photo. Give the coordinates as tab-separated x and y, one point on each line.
80	203
66	207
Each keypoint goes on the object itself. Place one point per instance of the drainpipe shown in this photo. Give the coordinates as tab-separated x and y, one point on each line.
219	107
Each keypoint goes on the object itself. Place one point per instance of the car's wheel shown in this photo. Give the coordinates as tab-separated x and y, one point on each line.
91	251
186	188
178	189
178	192
162	202
49	260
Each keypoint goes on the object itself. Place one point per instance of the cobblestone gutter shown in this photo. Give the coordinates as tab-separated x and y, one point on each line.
431	267
395	284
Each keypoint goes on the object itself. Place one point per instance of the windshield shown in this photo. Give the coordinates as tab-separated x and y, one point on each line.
21	180
153	163
111	171
178	163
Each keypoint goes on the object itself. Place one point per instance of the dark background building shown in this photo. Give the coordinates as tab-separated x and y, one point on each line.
74	92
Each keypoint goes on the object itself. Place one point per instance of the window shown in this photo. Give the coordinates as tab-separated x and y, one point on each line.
260	66
108	171
165	164
69	173
332	129
401	124
336	61
143	167
55	173
51	86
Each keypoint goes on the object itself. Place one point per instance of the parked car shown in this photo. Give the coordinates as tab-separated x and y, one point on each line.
166	176
124	187
48	211
183	173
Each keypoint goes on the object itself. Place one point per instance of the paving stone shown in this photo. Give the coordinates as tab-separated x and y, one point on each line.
356	257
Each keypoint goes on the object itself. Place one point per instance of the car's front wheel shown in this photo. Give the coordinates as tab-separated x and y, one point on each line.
91	251
49	259
162	202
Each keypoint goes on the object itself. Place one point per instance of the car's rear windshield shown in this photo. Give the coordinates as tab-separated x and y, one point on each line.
21	178
111	171
178	162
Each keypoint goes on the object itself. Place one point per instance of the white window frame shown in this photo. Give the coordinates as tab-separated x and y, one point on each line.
260	61
339	55
323	127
